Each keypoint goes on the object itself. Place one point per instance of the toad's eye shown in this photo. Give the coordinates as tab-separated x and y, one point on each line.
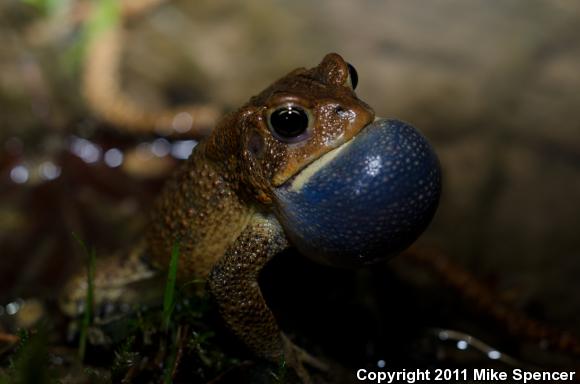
353	76
289	122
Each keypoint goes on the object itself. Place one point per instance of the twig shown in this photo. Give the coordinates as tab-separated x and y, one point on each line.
485	300
181	338
8	338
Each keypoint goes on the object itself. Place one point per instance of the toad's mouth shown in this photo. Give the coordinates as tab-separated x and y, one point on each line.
297	181
370	197
300	178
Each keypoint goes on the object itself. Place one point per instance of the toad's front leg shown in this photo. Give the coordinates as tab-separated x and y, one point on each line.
233	283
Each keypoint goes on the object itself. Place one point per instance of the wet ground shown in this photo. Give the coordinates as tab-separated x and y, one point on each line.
493	85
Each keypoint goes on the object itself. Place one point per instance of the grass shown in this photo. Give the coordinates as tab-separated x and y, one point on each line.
169	296
89	301
105	14
29	363
173	338
47	7
280	375
170	362
168	306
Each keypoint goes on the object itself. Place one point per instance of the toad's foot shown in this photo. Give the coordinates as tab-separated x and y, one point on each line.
297	358
119	282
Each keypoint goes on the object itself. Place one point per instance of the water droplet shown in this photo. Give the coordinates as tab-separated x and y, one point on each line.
86	150
161	147
19	174
462	345
49	170
113	157
182	122
182	149
12	308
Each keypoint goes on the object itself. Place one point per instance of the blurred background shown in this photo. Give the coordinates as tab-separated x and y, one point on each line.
495	86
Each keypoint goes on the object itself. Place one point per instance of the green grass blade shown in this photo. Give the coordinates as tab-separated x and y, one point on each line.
89	301
49	7
31	363
168	374
169	297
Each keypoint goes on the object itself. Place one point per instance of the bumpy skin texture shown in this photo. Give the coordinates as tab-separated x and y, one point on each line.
342	196
230	177
367	200
233	282
219	205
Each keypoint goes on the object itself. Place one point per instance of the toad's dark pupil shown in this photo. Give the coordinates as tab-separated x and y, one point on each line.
353	76
289	121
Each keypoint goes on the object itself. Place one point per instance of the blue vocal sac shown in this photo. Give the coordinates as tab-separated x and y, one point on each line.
365	201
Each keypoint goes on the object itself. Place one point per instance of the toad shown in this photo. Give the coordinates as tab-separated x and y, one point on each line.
305	163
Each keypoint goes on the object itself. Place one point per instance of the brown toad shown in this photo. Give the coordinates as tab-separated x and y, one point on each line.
285	170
